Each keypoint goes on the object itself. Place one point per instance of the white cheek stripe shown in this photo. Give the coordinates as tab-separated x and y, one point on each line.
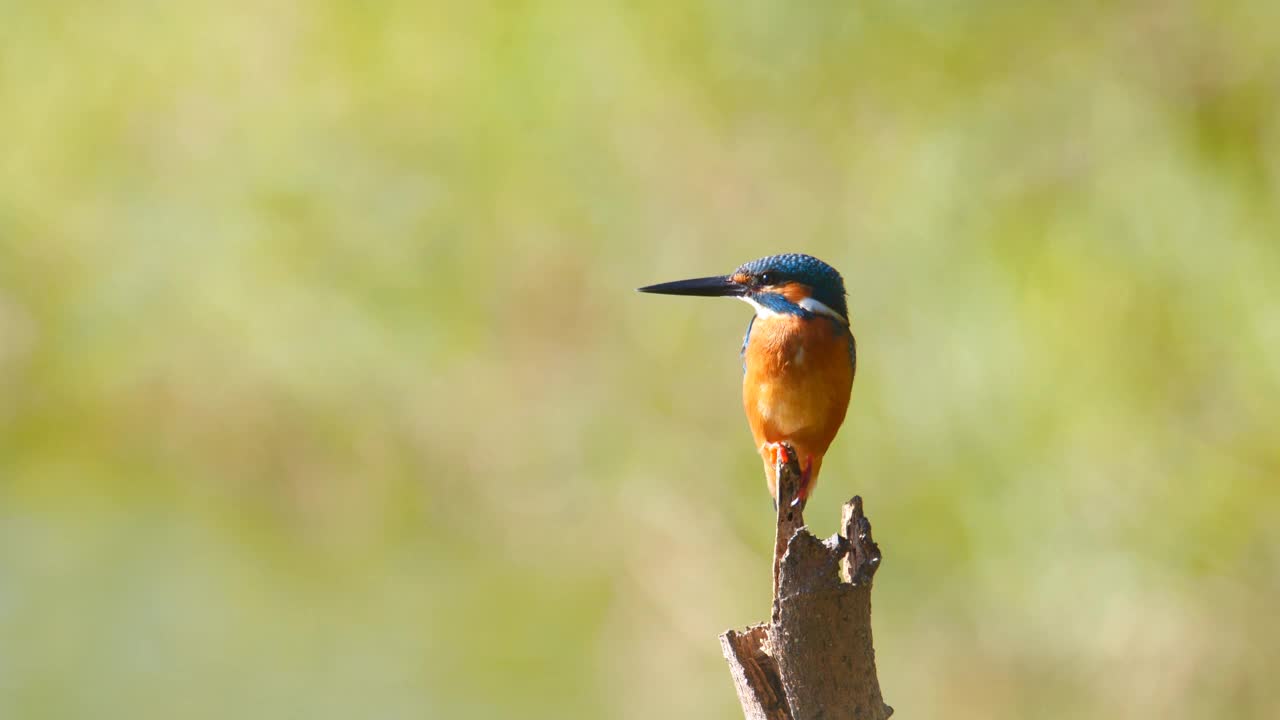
817	306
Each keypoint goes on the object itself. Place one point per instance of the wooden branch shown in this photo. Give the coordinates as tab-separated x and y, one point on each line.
814	658
790	511
755	674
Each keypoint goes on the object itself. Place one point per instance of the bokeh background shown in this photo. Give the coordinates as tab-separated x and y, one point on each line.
324	391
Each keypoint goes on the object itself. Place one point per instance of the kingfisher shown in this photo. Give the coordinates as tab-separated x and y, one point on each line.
798	356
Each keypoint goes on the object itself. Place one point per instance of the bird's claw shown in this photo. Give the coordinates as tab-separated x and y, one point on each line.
778	453
806	484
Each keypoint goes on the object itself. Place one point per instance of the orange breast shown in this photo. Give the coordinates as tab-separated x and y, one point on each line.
797	383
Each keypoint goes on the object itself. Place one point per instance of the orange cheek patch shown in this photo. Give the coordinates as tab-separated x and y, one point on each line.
794	292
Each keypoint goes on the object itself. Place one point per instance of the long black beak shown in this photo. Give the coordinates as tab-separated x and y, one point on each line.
718	286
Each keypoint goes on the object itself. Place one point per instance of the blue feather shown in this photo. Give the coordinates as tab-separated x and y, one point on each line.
780	304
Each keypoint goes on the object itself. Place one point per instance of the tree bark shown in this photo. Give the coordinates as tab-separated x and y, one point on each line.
814	659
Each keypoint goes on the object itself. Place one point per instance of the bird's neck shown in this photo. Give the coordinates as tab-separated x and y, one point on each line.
768	305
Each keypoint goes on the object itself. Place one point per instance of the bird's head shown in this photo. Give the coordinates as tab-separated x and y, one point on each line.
792	283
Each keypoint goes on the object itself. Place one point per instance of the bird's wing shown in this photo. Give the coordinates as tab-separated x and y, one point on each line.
853	352
746	339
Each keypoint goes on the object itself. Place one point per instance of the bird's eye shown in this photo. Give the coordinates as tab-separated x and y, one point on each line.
767	278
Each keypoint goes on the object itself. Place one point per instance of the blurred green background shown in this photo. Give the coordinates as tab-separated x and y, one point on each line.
324	391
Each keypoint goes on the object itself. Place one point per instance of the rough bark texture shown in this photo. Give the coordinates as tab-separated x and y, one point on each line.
755	674
814	658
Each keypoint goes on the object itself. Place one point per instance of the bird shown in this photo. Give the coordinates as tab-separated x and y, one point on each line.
799	357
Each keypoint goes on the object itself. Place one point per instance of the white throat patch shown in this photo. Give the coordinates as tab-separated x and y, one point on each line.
761	311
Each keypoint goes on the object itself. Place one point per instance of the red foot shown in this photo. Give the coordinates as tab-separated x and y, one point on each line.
806	483
777	453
